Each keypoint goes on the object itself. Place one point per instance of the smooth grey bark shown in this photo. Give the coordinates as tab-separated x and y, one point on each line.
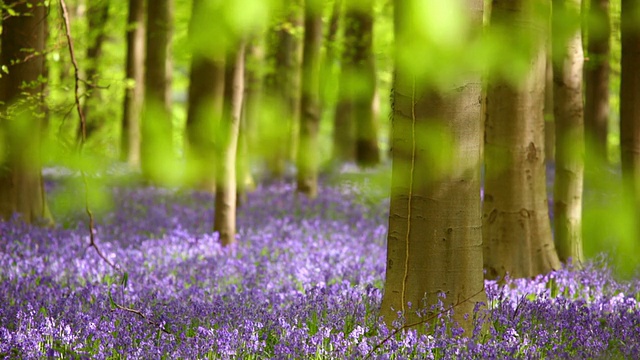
516	228
435	226
225	203
570	144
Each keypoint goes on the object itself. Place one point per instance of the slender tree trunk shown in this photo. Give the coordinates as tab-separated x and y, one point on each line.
97	16
435	237
516	229
630	103
310	103
22	47
596	112
206	93
568	116
156	145
225	206
329	78
251	114
134	93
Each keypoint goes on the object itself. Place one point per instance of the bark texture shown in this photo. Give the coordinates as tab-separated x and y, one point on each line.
134	94
307	161
21	185
568	117
516	228
435	233
225	204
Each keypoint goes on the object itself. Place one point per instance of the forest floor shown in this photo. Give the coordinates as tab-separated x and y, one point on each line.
304	281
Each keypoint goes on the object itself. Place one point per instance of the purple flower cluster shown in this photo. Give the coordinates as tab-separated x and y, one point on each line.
304	281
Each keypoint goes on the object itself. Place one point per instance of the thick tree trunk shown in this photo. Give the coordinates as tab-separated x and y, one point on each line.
310	103
435	237
206	93
568	117
516	229
134	93
21	185
156	146
630	103
97	16
596	77
225	204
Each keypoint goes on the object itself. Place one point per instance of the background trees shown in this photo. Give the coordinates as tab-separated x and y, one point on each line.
191	121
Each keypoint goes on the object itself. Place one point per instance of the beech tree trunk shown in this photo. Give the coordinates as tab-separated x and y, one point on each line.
206	93
225	204
516	228
435	237
630	103
307	161
568	117
157	142
283	90
97	16
355	128
251	114
596	77
21	186
134	93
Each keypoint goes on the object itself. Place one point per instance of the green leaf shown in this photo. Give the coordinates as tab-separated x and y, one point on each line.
125	279
111	302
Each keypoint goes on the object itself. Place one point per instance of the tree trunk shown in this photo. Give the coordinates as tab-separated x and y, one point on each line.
251	114
225	207
596	77
283	86
310	103
97	16
133	96
359	28
549	125
21	186
206	92
156	145
435	237
568	117
516	228
630	104
355	129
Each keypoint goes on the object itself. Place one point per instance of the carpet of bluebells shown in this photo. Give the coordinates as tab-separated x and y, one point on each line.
304	282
